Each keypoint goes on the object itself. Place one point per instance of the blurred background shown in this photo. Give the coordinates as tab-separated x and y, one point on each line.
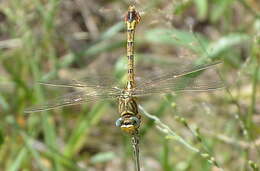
43	40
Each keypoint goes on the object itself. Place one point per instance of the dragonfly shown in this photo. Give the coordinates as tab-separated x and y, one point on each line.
94	89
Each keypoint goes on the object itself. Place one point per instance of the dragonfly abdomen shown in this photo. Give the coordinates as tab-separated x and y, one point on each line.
132	18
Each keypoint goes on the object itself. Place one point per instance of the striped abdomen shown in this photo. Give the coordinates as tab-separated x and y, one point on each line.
132	18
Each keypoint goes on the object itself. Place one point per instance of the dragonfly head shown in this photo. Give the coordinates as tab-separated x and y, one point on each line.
131	8
132	16
128	124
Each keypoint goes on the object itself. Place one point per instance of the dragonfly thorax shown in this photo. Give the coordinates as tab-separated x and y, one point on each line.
126	93
127	103
130	119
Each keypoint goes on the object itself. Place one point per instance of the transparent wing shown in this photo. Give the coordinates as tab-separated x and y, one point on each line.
192	78
92	81
85	94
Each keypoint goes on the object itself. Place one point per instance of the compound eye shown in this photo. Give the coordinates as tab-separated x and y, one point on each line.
136	120
119	122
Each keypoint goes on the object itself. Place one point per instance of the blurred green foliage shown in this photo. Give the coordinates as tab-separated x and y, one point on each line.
46	40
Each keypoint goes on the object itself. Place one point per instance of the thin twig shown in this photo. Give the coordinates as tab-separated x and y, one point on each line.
231	141
167	130
135	144
89	21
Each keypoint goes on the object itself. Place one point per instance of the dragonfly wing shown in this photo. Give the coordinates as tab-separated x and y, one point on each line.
74	98
91	81
193	78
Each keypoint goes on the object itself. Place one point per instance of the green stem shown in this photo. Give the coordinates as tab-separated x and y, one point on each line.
253	98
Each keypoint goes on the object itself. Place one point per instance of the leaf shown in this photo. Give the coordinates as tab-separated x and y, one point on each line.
202	8
226	43
219	9
175	37
102	157
180	7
